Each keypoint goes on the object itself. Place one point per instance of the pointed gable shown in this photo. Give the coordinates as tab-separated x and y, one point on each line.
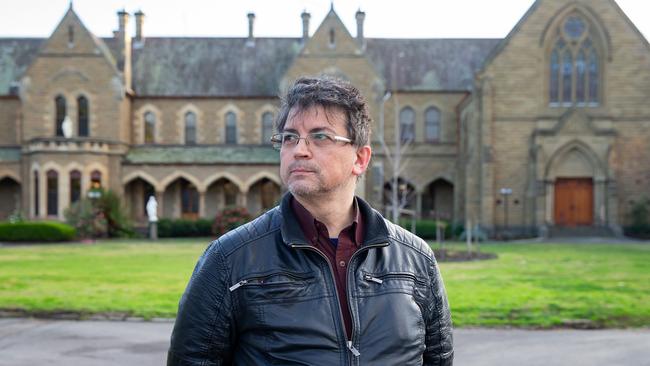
71	37
331	38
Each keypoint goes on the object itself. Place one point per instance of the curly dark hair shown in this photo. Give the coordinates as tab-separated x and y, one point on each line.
330	93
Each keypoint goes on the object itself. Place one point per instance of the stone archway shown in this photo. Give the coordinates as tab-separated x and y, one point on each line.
574	193
438	200
136	194
9	197
262	195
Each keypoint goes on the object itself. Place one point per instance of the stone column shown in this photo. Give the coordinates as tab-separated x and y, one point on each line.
418	205
549	206
160	199
600	213
201	203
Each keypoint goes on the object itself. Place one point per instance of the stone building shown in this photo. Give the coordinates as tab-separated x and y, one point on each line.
548	127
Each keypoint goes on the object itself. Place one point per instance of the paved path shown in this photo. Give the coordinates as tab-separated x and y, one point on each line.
102	343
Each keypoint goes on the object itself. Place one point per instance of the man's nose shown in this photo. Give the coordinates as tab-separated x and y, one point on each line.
302	149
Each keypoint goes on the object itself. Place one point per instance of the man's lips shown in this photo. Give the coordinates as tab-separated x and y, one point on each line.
301	171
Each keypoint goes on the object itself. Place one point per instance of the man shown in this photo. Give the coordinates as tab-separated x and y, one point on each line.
322	279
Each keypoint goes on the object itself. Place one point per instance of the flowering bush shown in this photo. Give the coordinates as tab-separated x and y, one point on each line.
229	218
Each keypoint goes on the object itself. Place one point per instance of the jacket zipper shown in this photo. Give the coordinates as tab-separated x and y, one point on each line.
308	247
349	343
351	347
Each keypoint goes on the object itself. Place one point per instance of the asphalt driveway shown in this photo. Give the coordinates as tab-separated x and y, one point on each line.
102	343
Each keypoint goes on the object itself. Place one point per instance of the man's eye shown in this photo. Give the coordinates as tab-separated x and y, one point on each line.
289	137
319	136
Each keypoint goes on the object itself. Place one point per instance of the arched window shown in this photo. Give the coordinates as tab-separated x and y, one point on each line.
82	113
407	125
190	128
231	128
149	127
267	127
95	179
60	105
52	193
75	186
574	72
432	124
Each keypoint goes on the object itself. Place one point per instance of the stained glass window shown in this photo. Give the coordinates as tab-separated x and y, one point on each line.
574	72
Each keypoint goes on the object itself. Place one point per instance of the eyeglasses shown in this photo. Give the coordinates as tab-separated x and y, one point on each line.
319	139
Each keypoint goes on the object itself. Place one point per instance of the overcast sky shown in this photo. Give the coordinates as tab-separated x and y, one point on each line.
281	18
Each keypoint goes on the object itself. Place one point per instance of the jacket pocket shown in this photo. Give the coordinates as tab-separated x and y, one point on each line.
275	287
378	283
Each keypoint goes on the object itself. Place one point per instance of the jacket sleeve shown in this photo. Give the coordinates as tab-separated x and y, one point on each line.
439	339
203	332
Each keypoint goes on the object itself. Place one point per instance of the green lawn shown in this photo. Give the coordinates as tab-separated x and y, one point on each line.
539	285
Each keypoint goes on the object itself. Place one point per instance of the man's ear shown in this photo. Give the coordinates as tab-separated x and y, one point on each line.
363	159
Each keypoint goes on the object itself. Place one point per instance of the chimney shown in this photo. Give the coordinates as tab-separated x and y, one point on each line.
305	25
123	45
139	23
251	21
122	21
361	16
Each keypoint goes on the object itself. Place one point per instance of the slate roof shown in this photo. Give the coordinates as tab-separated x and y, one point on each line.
429	64
9	154
229	67
212	66
233	154
15	56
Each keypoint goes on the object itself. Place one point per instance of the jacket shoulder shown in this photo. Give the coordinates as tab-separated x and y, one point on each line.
261	227
403	237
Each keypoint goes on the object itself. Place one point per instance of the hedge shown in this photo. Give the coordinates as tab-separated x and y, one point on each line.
168	228
426	229
36	231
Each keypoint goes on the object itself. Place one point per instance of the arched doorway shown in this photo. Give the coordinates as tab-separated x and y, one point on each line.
262	195
404	199
137	193
220	194
572	174
9	197
438	200
181	200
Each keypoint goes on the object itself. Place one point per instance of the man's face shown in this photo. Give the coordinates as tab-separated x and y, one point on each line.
310	171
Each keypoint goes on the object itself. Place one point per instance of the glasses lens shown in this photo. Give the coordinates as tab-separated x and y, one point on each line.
320	139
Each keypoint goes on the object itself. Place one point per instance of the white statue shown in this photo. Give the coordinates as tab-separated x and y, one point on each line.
152	209
66	126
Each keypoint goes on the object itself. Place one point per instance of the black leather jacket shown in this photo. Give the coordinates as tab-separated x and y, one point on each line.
262	295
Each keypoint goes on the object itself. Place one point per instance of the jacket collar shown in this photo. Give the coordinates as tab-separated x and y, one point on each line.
375	226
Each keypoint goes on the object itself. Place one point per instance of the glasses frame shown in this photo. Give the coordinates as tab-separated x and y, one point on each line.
278	144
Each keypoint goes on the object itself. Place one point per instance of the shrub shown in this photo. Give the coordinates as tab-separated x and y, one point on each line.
36	231
230	218
83	216
100	217
170	228
426	229
640	219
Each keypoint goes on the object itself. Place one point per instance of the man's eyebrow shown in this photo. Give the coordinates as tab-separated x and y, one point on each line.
321	129
290	130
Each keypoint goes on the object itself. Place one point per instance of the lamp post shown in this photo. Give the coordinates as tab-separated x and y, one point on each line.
505	192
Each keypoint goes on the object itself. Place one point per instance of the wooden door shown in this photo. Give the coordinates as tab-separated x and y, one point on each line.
574	201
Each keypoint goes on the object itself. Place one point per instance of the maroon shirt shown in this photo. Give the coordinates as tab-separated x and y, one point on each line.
339	256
